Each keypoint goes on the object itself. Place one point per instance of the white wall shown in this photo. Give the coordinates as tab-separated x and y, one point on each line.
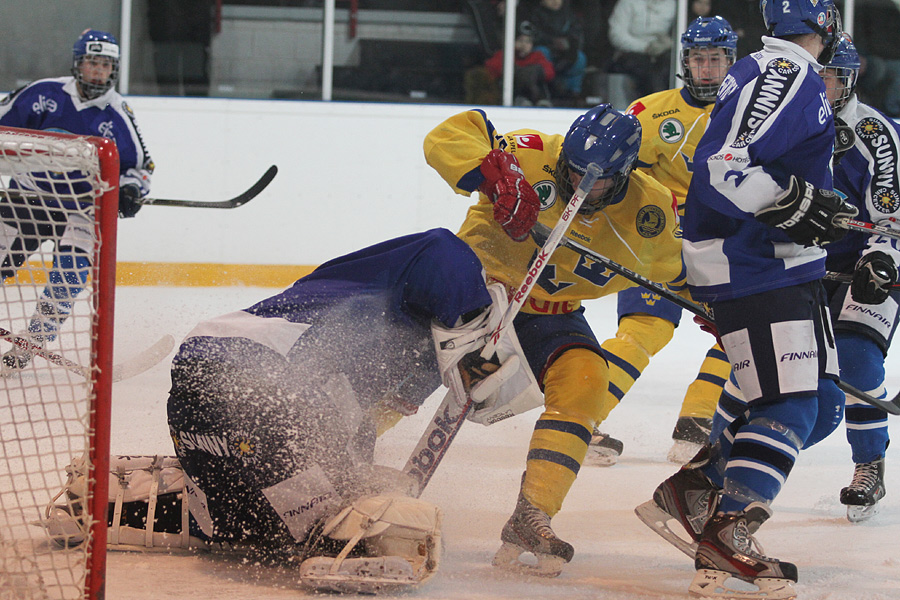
350	174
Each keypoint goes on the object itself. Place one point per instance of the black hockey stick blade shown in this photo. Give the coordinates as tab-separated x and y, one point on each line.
889	406
239	200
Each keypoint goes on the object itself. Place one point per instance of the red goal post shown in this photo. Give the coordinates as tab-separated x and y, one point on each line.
50	416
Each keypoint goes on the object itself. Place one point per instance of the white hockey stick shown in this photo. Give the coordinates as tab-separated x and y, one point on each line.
451	412
891	406
592	173
134	366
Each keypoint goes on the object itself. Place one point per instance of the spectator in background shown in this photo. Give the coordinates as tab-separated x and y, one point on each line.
747	22
558	35
700	8
879	83
641	33
532	70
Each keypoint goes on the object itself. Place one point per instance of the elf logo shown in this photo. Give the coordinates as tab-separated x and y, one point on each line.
44	104
106	129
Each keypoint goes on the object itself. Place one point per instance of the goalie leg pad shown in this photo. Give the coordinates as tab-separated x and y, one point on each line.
398	538
148	509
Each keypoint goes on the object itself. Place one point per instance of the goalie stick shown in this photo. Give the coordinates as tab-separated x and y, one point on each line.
540	231
451	413
130	368
238	200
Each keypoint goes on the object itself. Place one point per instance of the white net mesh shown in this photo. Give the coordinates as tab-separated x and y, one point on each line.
47	242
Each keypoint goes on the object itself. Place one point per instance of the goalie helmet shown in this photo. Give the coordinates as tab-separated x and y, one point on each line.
798	17
705	33
608	138
102	50
841	73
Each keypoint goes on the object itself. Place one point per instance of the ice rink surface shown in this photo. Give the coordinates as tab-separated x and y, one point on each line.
616	556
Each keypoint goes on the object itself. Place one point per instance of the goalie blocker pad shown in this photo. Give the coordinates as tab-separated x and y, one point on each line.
509	391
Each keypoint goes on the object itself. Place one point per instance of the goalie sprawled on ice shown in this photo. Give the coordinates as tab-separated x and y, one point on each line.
274	411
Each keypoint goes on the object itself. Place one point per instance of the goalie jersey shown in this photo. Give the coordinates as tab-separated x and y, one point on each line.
639	232
772	120
868	177
54	105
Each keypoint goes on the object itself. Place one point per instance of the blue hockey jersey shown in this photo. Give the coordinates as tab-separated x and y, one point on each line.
54	105
771	120
868	176
366	315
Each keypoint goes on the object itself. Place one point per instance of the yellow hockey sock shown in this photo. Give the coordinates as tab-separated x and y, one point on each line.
638	338
574	393
702	395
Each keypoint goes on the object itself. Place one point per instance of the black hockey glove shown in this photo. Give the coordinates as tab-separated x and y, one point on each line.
844	138
873	277
807	214
129	201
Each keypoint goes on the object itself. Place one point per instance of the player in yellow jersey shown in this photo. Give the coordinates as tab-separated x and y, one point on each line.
672	122
628	217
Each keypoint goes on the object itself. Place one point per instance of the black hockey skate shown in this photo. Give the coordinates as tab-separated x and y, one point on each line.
528	531
603	450
865	490
689	498
727	549
690	434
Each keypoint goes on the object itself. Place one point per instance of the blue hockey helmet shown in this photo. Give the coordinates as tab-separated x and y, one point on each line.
702	33
797	17
844	69
608	138
93	42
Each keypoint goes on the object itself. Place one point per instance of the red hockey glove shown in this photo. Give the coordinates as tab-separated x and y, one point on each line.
516	204
709	327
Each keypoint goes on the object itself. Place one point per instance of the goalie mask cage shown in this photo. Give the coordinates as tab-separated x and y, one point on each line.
50	415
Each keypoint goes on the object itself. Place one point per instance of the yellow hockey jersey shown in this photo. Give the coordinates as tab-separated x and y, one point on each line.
672	124
639	232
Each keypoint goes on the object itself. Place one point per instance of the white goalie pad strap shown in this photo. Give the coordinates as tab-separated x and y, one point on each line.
391	527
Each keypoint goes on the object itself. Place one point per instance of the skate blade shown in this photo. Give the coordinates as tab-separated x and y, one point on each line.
507	559
375	575
858	514
682	452
658	520
711	583
600	457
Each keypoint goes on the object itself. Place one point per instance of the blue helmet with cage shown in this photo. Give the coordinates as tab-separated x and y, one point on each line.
798	17
844	69
95	43
701	34
608	138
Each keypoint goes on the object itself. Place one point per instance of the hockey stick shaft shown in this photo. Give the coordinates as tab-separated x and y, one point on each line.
441	430
592	173
238	200
854	225
130	368
891	406
848	278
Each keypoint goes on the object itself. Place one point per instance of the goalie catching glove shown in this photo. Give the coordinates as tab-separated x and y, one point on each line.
873	277
516	204
807	214
499	388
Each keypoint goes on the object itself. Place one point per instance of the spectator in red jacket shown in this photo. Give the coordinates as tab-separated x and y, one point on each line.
532	70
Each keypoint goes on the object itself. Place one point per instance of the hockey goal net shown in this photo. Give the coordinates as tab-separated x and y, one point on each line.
57	192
